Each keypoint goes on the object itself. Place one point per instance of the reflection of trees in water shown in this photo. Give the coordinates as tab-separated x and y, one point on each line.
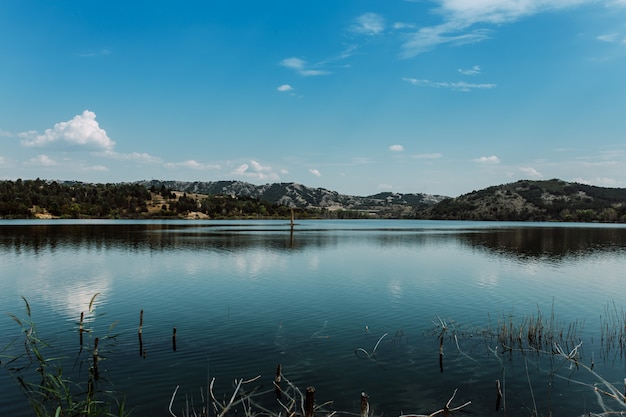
157	237
554	243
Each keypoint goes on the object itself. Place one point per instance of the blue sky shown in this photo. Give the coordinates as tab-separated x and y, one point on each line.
356	96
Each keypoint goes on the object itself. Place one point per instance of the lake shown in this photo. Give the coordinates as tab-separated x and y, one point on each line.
343	306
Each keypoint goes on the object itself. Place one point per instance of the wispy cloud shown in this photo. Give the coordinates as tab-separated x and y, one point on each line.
96	168
101	52
301	67
368	24
475	70
285	87
83	130
456	86
460	19
403	26
531	172
601	181
5	134
396	148
435	155
488	160
133	156
385	187
315	172
42	161
191	164
612	38
255	170
427	38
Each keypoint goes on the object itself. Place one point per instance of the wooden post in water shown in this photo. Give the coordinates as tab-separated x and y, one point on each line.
80	327
140	332
441	354
174	339
277	380
293	217
309	402
498	394
365	405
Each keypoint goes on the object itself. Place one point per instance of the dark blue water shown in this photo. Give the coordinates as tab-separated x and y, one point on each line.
247	296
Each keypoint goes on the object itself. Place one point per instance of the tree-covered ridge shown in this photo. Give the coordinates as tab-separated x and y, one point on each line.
39	198
551	200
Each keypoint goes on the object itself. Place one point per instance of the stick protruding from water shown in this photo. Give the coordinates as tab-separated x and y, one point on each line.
309	402
365	406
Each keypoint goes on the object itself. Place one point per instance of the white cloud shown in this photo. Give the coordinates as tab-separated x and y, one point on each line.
285	87
475	70
5	134
260	168
396	148
97	168
460	17
255	170
191	164
488	160
301	67
368	24
133	156
600	181
42	160
531	172
455	86
427	38
403	26
315	172
611	37
82	130
385	187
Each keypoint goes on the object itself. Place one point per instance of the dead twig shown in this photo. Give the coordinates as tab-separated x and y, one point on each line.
445	410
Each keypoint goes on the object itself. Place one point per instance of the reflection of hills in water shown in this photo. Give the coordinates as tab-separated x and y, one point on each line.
156	237
522	242
554	243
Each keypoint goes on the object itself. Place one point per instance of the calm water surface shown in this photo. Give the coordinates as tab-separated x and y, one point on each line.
247	296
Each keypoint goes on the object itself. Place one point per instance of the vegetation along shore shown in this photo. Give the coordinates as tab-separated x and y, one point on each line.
551	200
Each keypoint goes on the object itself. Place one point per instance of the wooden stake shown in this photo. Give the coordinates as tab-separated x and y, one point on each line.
141	321
277	380
174	339
365	406
441	354
499	394
80	327
309	402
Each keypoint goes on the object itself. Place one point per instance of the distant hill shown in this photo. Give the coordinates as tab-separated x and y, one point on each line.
551	200
300	196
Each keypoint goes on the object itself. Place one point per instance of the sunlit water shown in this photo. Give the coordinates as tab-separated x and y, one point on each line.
247	296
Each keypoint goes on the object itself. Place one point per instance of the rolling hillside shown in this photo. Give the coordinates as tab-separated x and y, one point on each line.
551	200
